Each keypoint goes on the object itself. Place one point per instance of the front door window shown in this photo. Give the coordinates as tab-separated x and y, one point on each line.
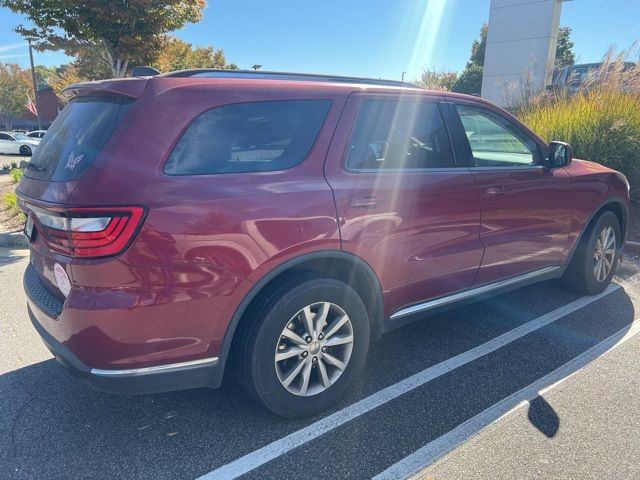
494	141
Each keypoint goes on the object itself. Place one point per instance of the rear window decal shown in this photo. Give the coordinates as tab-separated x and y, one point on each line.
72	161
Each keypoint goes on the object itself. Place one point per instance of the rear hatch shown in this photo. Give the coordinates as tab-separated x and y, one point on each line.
80	138
75	139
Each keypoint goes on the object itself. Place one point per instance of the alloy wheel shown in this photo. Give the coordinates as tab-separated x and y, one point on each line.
314	349
604	254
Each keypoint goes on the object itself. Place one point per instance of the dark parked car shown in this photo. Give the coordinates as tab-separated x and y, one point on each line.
277	224
572	78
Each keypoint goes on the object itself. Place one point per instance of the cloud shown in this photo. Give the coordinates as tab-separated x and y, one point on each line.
12	46
15	55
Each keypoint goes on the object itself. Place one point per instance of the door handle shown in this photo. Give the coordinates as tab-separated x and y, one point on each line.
366	201
499	190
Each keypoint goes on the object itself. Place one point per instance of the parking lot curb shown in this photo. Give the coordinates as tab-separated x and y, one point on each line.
13	240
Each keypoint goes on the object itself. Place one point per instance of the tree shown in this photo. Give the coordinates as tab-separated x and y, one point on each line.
90	65
176	54
470	80
564	49
433	80
479	47
66	75
15	86
116	31
43	74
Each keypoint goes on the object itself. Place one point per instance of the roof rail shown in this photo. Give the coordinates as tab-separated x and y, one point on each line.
309	77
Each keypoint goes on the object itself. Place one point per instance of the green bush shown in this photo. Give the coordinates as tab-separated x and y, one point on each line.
16	175
10	201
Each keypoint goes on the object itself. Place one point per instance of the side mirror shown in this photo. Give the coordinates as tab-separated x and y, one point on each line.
560	155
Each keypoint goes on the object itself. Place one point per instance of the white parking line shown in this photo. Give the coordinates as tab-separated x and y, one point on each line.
279	447
442	445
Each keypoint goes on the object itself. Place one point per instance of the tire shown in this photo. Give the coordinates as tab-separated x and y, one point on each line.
582	273
25	151
265	378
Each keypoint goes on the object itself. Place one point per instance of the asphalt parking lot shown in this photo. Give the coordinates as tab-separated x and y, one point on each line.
536	383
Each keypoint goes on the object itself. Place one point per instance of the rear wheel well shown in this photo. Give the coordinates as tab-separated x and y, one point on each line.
350	271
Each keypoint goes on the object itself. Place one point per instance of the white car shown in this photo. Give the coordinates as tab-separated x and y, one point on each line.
17	143
36	134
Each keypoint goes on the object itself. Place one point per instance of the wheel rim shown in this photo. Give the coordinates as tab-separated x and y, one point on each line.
314	349
604	254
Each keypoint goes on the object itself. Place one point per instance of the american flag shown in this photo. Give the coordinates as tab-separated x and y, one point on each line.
31	106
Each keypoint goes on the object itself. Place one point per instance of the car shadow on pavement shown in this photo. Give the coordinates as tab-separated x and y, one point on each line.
51	422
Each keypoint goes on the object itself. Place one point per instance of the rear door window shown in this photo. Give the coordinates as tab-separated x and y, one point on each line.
76	137
249	137
399	135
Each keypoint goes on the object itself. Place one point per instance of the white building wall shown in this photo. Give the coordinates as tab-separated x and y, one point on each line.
521	46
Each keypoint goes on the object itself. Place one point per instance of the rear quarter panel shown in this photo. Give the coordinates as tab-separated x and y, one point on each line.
244	223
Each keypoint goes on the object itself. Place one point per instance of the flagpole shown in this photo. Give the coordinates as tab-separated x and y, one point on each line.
35	86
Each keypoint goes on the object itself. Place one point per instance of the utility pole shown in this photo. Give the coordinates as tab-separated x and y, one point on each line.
403	76
35	86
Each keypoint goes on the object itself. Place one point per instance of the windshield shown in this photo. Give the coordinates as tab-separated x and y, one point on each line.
76	138
21	136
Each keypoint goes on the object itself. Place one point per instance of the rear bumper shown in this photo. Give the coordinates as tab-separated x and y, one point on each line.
163	378
43	308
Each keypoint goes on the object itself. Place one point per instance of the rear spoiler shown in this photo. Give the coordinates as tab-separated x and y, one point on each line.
144	72
127	87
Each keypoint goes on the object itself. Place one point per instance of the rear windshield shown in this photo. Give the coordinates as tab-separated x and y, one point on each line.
76	137
249	137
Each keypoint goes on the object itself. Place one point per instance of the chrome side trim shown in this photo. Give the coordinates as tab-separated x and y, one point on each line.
171	367
456	297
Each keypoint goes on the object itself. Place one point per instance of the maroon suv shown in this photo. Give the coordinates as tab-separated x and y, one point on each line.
278	223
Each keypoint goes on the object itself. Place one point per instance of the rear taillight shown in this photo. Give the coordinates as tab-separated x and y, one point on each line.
88	232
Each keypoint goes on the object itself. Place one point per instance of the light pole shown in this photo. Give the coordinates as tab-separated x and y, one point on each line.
403	76
35	86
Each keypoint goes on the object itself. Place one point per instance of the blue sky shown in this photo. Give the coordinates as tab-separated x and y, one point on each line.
374	38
